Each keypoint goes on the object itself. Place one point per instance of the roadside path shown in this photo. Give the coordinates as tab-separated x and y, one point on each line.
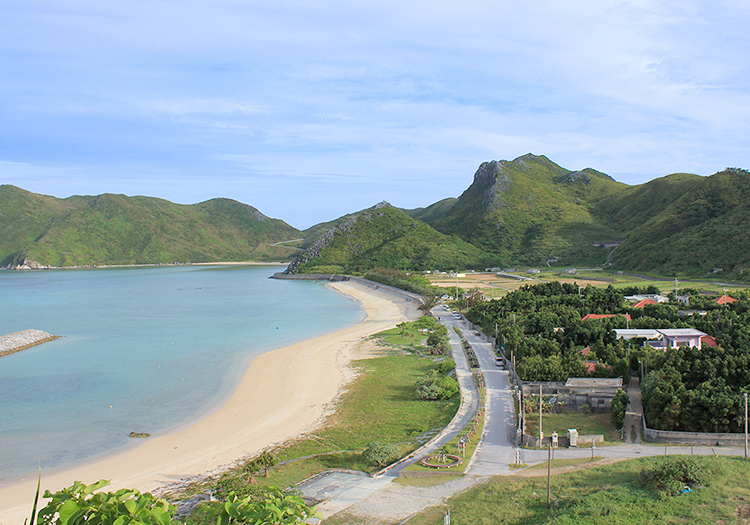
633	424
337	491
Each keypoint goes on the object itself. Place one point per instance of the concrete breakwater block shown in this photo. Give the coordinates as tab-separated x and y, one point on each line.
18	341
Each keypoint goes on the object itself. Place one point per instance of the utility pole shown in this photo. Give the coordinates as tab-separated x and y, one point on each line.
549	474
745	426
541	434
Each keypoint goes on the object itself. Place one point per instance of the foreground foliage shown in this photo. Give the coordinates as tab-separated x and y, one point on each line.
80	503
275	508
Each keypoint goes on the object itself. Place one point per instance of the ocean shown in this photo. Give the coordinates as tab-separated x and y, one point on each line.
142	350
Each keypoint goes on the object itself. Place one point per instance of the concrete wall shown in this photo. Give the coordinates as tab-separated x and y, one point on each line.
691	438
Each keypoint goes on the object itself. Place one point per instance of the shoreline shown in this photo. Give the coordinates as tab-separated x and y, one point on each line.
142	265
283	394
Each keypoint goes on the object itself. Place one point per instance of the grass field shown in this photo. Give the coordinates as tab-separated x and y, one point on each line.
606	495
584	423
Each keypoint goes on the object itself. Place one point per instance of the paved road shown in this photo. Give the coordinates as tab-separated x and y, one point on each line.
337	491
498	447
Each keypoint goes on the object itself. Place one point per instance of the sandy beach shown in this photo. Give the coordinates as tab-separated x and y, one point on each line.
283	394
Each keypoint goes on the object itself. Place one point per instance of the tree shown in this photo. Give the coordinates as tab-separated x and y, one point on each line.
619	406
428	302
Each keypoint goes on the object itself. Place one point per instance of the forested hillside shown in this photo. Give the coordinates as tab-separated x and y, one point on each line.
525	212
530	210
384	236
115	229
684	224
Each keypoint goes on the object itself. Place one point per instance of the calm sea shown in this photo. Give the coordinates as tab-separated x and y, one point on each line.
143	349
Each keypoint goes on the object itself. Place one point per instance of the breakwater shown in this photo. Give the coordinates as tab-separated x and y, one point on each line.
22	340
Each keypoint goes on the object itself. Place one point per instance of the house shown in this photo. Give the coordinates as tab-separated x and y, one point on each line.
586	351
667	338
591	366
654	297
677	337
725	299
643	302
709	341
596	392
634	333
533	270
603	316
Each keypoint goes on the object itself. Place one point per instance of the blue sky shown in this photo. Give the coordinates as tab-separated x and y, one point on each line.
309	110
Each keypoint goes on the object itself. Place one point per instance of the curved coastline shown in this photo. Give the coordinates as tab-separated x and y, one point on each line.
283	394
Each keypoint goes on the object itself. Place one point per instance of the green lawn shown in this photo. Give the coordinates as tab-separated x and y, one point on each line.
607	495
584	423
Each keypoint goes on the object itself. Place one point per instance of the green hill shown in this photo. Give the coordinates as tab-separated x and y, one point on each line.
684	224
530	210
433	212
115	229
384	236
522	212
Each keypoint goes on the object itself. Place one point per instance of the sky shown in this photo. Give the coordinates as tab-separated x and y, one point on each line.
309	110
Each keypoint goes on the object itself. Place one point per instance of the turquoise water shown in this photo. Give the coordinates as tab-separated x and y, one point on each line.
144	349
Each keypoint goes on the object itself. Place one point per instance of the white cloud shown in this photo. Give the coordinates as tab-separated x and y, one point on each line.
368	97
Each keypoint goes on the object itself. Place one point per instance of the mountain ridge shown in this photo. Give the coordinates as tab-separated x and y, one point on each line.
521	212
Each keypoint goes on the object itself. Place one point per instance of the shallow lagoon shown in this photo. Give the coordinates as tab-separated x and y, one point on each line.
143	349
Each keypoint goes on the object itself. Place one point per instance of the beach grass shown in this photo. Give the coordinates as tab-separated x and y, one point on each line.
610	494
379	405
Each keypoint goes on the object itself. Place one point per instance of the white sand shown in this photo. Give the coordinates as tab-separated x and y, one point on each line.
283	394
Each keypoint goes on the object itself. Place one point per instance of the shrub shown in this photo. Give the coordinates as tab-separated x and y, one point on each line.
446	366
668	476
379	454
80	504
433	387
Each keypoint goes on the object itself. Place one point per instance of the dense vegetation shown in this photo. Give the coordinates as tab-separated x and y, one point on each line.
542	326
82	504
685	389
115	229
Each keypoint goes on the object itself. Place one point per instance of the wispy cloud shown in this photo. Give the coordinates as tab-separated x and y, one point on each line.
355	102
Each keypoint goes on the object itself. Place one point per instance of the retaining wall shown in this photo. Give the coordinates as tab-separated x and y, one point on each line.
691	438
